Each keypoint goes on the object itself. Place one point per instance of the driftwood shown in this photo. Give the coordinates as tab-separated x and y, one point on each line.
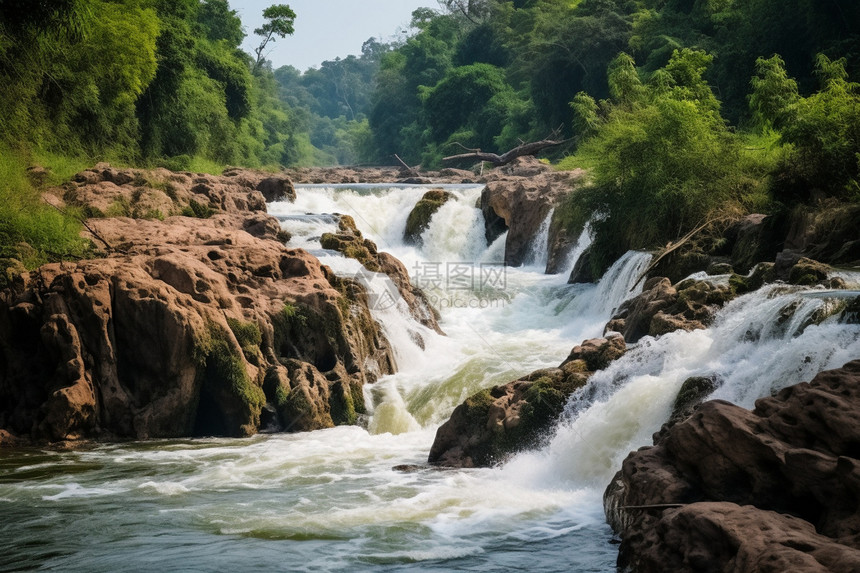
674	246
505	158
412	171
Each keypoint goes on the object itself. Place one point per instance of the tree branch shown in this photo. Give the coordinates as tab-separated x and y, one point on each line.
508	156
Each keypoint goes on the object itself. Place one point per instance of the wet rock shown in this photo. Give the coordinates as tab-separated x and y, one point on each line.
774	489
351	243
808	272
662	308
693	392
582	272
420	216
597	353
762	273
494	424
531	200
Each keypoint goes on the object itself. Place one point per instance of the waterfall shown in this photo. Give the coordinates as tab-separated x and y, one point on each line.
759	343
539	247
501	322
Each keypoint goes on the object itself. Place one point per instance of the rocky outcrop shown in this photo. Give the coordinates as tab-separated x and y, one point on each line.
188	326
351	243
420	216
727	489
494	424
336	175
662	308
523	204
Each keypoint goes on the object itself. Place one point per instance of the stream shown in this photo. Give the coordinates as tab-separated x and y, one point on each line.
332	500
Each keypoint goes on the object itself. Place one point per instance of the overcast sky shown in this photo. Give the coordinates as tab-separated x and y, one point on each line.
326	29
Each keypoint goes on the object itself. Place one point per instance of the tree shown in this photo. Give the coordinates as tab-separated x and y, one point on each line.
280	23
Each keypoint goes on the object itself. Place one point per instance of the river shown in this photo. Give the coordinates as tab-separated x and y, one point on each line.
333	500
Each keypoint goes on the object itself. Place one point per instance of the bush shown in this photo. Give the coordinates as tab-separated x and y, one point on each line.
663	160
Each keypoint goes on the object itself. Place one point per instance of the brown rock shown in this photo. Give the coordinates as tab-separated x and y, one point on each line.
795	454
174	332
531	200
662	308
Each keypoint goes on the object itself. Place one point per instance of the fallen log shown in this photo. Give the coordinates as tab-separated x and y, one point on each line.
505	158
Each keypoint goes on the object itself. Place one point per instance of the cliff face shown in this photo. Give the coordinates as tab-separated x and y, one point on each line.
187	326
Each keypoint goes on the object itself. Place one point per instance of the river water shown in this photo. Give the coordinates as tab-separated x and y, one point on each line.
332	500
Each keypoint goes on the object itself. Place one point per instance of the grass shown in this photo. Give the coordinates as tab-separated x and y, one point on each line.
31	231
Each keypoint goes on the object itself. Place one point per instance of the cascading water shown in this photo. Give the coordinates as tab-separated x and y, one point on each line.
331	500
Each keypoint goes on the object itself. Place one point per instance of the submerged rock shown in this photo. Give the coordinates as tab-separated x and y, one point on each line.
774	489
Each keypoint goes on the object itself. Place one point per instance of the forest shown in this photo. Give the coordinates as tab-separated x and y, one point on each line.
681	110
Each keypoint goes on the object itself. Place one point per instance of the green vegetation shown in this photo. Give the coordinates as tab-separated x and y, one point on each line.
682	111
230	402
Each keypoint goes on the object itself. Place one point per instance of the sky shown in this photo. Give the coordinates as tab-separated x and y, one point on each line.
326	29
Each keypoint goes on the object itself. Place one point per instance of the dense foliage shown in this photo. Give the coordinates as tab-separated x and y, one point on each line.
547	51
684	110
129	81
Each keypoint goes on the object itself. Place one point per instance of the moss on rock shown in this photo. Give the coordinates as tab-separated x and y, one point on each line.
420	216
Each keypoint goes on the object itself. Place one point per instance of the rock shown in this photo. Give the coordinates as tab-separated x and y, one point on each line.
717	268
693	392
734	472
185	327
808	272
716	537
753	239
829	234
582	272
761	274
597	353
277	189
494	424
350	242
662	308
420	216
525	166
531	199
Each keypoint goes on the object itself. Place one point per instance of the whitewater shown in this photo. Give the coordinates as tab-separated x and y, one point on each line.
360	497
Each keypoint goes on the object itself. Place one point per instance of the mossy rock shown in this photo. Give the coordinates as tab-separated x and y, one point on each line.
342	404
808	272
420	216
353	247
229	402
249	337
693	392
762	273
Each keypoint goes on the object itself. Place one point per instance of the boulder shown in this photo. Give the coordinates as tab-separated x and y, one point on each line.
277	189
662	308
420	216
494	424
727	489
531	200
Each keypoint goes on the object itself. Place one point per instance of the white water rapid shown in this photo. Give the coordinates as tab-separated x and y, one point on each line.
331	500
